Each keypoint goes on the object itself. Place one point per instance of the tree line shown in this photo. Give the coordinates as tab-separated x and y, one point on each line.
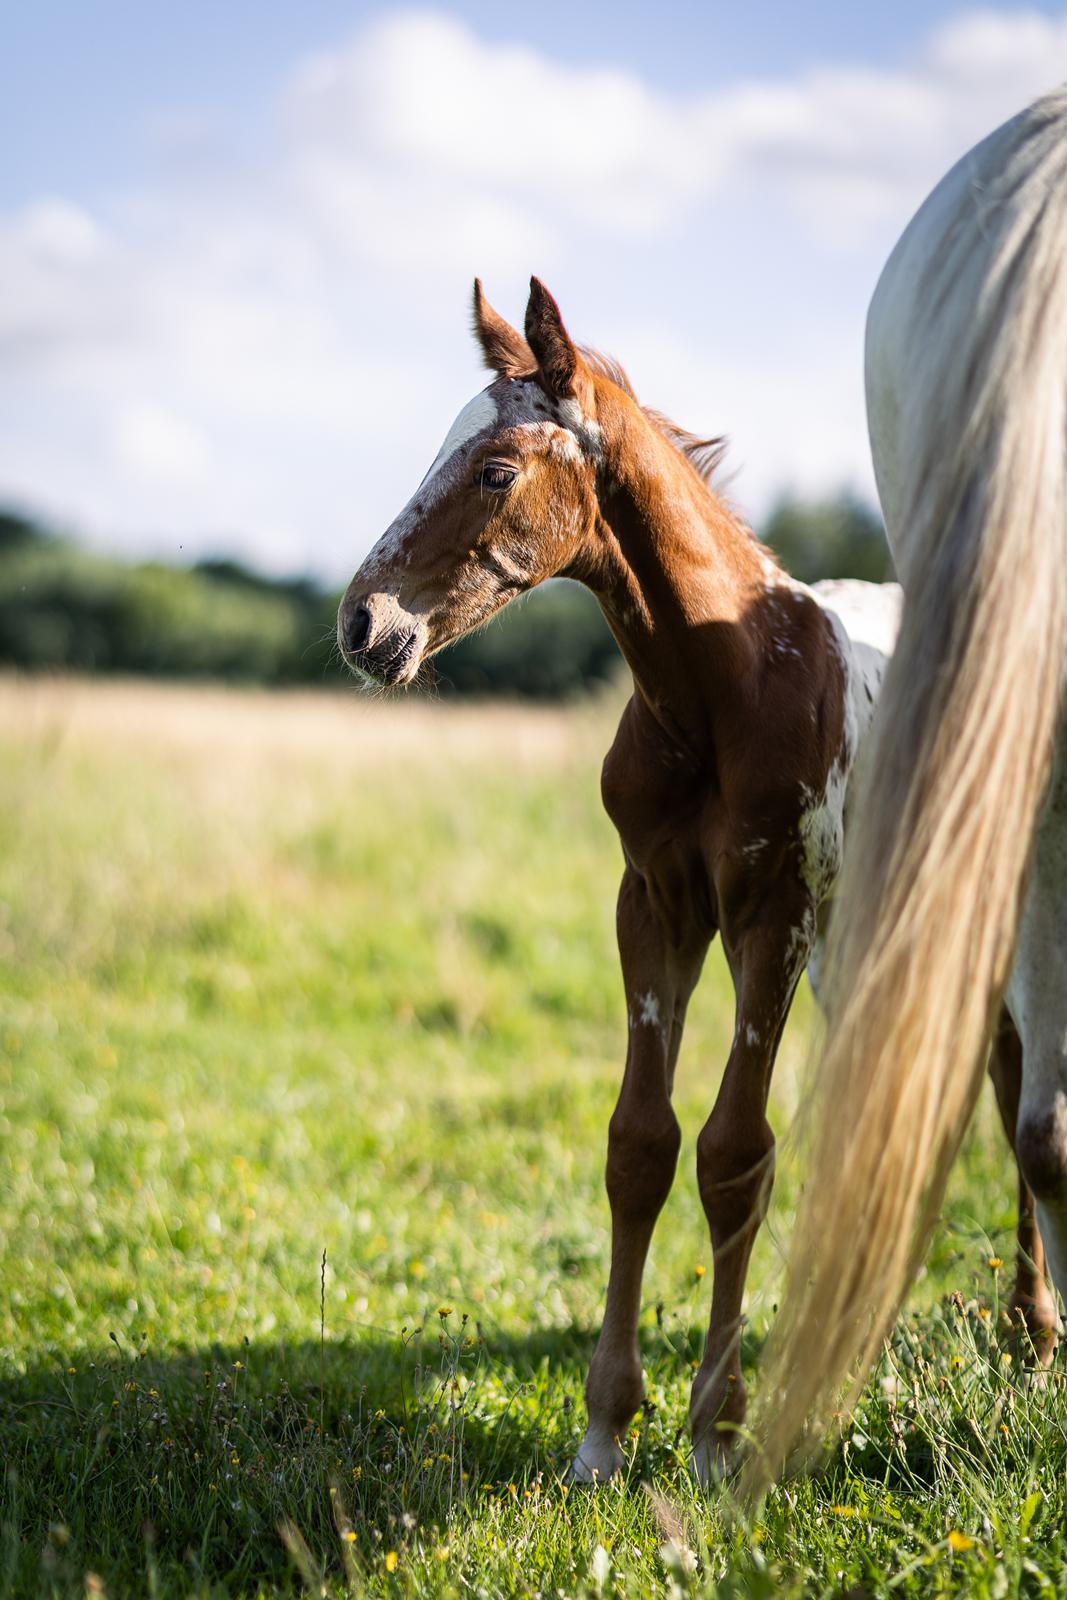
66	608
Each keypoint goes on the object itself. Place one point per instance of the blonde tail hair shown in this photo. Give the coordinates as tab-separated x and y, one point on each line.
944	808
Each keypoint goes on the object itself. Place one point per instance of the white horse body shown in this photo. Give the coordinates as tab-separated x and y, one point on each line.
901	405
1037	1000
867	619
954	885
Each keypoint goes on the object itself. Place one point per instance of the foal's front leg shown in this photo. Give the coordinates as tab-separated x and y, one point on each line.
659	972
735	1168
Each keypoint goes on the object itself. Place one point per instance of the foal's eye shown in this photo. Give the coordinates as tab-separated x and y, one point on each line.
495	476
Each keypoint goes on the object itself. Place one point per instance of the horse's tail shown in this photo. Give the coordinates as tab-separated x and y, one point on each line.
946	800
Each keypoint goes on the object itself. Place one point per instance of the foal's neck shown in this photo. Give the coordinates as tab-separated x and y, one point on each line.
677	578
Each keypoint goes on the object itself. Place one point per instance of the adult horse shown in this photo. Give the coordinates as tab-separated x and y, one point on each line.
726	779
967	403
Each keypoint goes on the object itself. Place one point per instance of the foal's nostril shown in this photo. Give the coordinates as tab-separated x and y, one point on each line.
356	630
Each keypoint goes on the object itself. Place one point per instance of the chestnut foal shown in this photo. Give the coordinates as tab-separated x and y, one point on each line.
726	779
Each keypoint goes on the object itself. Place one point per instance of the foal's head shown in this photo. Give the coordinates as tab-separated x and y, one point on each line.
509	501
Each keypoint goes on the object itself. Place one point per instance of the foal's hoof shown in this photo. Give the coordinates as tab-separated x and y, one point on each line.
599	1458
714	1461
1033	1335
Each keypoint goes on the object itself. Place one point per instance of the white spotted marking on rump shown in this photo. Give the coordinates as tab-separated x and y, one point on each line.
821	831
801	940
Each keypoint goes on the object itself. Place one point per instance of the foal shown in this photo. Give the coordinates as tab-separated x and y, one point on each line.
726	779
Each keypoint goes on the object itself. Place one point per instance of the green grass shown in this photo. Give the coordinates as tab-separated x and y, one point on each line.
291	975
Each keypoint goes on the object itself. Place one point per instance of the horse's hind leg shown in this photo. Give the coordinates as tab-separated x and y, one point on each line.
1037	999
643	1139
1031	1307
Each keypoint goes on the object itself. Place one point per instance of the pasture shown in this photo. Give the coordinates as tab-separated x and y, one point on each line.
310	1028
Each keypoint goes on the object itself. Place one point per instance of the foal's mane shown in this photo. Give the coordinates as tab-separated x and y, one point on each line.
705	456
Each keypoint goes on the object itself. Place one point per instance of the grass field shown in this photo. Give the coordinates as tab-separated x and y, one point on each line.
297	978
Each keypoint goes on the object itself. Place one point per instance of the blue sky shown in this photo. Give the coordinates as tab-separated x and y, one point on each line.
236	240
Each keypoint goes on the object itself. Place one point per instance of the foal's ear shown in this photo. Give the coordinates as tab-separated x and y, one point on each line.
550	342
506	351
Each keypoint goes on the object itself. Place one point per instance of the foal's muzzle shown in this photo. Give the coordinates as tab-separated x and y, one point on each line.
379	639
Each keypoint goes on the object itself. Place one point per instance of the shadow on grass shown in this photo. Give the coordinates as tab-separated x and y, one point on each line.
137	1467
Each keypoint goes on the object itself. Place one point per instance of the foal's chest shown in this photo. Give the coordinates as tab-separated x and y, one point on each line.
766	813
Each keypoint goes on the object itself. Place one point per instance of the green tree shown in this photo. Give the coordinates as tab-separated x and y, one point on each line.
836	538
549	646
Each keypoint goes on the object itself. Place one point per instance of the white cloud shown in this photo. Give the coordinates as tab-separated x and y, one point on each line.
56	282
161	448
62	234
415	223
874	141
420	93
266	357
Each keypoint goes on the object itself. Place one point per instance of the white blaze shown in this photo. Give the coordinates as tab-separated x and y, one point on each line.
476	415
